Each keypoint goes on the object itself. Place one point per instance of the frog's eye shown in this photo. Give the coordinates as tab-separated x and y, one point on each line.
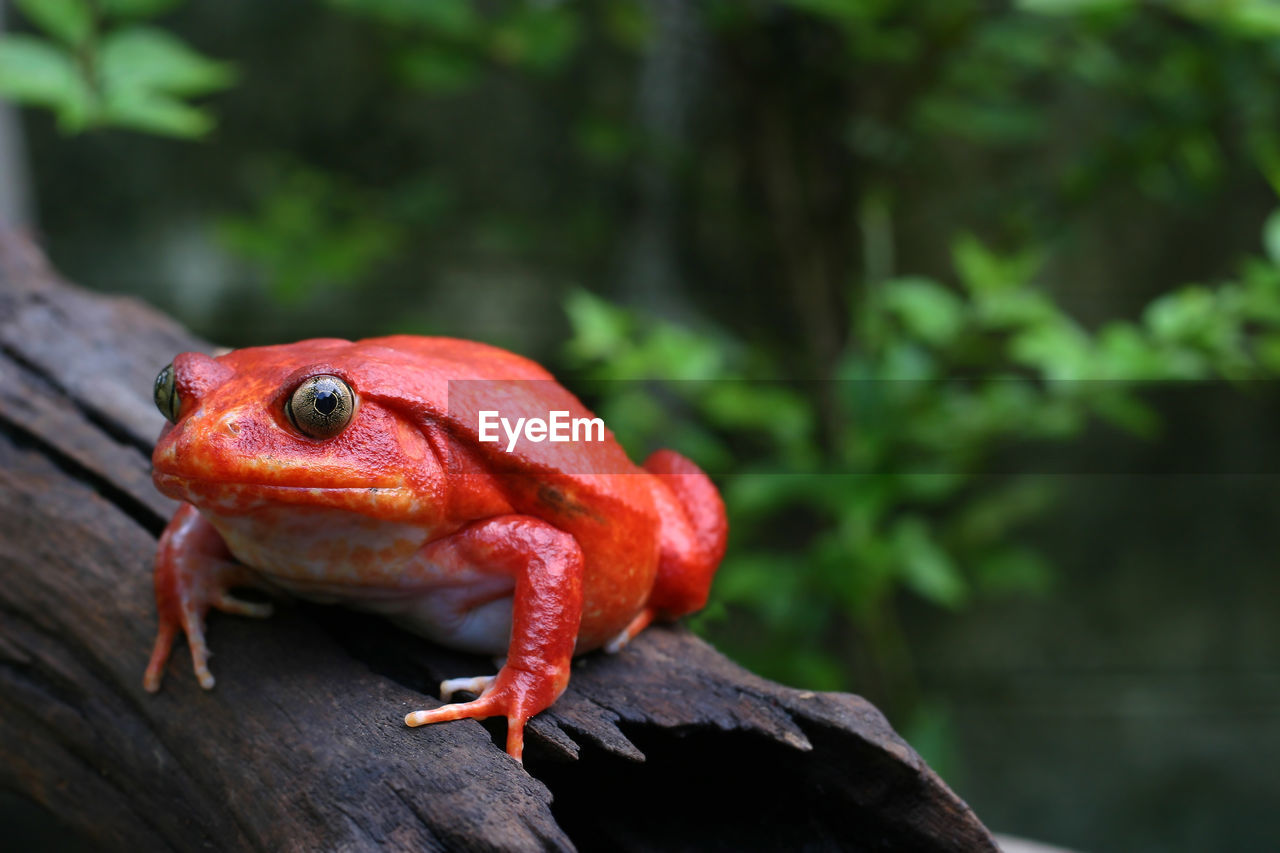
166	396
321	407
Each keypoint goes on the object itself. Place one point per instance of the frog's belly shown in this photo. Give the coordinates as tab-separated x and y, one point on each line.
320	545
471	613
338	557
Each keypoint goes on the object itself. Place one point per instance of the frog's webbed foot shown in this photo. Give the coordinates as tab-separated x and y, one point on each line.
194	574
236	606
477	685
512	693
190	617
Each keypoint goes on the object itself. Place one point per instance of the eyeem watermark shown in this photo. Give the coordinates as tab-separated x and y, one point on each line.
558	426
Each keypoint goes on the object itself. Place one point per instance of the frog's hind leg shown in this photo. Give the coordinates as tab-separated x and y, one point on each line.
693	533
693	529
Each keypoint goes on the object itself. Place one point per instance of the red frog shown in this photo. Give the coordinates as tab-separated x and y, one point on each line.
359	473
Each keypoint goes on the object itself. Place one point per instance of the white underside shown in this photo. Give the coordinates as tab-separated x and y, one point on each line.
327	557
439	613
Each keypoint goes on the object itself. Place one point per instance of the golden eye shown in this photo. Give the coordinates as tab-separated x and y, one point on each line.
166	396
321	407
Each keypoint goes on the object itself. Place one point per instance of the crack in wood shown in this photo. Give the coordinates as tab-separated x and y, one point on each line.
144	515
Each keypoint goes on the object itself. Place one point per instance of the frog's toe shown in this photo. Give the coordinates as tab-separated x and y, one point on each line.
490	705
512	693
477	709
205	677
479	685
228	603
200	655
191	624
159	656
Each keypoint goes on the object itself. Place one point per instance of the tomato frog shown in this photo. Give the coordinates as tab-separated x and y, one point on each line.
357	473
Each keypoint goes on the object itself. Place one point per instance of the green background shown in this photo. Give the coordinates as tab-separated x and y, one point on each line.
972	309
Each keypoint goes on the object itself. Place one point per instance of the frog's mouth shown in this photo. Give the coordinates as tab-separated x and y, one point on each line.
240	497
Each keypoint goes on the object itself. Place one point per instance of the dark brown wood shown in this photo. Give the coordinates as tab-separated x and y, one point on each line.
302	744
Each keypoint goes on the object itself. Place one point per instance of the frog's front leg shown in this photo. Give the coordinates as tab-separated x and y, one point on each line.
546	565
194	572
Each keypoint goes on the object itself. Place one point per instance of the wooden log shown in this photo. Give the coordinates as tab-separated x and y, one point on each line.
302	744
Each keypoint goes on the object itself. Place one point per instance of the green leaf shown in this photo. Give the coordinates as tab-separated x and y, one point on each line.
908	363
1261	294
925	566
1183	315
156	113
1260	20
1249	18
1268	349
600	329
1060	350
1013	308
141	59
1124	353
1271	236
1074	7
674	353
983	271
756	493
33	71
69	21
753	581
927	309
144	71
775	410
136	8
311	230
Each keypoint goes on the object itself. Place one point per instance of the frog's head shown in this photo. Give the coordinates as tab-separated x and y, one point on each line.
298	425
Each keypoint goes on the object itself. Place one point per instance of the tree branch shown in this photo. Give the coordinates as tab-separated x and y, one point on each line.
302	744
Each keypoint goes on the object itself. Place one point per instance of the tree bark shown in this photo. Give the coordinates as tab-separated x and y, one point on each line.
302	744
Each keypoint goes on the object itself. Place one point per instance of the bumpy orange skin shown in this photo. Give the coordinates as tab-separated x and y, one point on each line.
554	549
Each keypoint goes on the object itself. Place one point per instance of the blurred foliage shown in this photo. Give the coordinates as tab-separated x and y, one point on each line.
444	45
95	65
310	231
805	151
902	490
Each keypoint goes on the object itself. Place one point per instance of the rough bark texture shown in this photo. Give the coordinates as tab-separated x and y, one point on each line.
302	744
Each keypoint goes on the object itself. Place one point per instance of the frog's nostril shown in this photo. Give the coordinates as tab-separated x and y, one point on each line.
231	426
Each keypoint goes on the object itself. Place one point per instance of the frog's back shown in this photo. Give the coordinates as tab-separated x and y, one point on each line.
460	359
453	381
